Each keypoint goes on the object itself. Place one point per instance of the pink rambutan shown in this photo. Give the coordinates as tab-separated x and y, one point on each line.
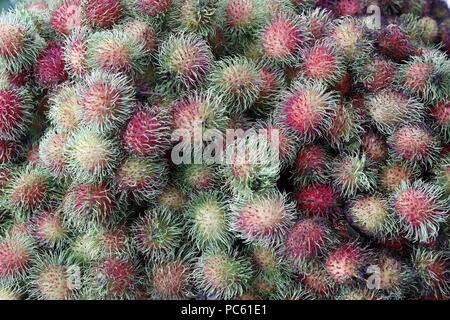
348	8
103	13
50	66
153	8
75	52
317	200
49	229
310	166
15	256
375	74
441	116
52	153
392	42
9	150
393	174
15	111
67	17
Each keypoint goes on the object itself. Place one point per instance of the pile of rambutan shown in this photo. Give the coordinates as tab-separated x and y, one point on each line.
110	108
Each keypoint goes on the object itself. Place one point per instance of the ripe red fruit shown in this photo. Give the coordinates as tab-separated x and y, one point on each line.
317	200
50	66
67	17
103	13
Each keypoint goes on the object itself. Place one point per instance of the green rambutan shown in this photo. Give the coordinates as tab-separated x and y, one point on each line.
243	17
222	274
372	215
196	16
52	153
197	177
16	254
393	174
420	209
141	179
262	218
350	37
376	73
389	109
172	198
116	51
51	277
15	111
184	61
19	42
49	229
282	39
432	267
415	145
64	108
158	233
10	290
307	108
237	81
427	76
91	156
316	279
442	174
106	101
352	174
209	220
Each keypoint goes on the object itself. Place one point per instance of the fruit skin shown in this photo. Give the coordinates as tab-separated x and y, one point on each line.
421	209
392	42
19	41
91	156
49	229
50	66
10	290
197	177
321	200
393	174
307	109
395	277
237	81
54	276
208	215
350	36
16	254
440	113
426	76
15	111
372	215
262	218
184	61
115	51
222	274
75	52
67	17
64	108
376	73
103	13
153	8
243	17
310	166
442	174
52	153
158	233
106	101
415	145
195	17
282	39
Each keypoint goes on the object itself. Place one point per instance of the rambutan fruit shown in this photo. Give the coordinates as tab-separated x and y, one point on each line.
310	166
393	43
172	199
28	191
153	8
222	274
243	17
349	36
346	263
91	156
415	145
251	164
432	267
49	229
158	233
429	29
116	51
113	278
15	111
394	277
420	209
106	101
15	257
372	215
147	133
19	42
92	204
51	277
262	218
308	239
316	279
322	62
103	13
345	127
440	114
426	76
389	109
9	151
64	108
67	16
318	22
374	146
197	112
442	174
49	69
237	81
142	179
269	260
356	293
394	173
75	53
209	220
184	60
348	8
321	200
352	173
10	290
282	39
307	109
6	174
198	177
196	17
52	153
172	279
144	32
272	81
375	74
